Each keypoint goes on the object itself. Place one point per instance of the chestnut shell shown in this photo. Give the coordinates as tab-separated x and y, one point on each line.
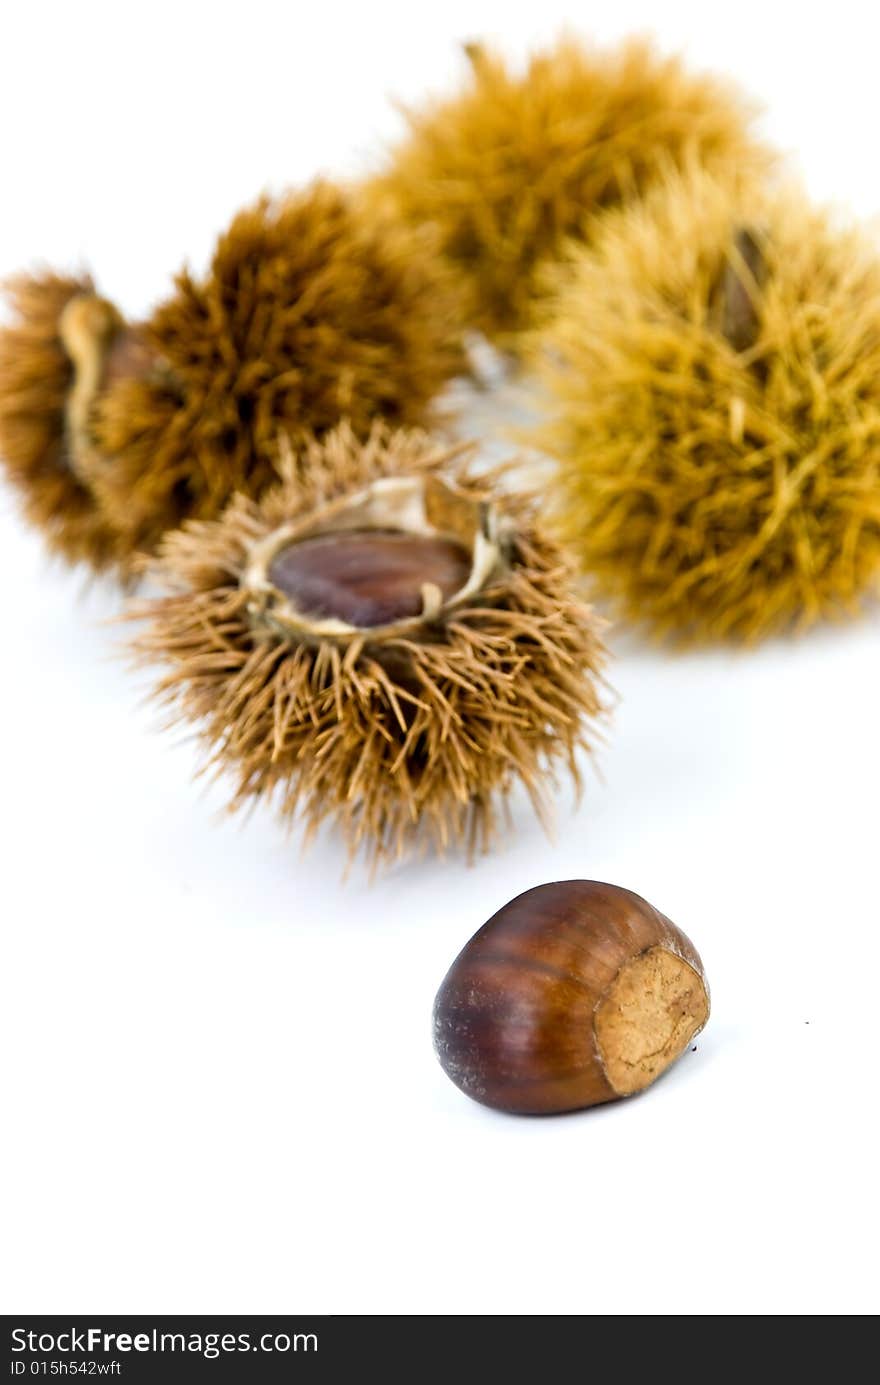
574	993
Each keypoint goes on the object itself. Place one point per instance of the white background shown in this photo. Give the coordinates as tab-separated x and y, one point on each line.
217	1066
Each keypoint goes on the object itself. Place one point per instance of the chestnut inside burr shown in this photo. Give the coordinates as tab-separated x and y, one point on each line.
368	577
740	319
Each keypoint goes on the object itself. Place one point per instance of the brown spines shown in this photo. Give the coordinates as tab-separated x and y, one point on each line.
516	164
411	737
36	376
312	311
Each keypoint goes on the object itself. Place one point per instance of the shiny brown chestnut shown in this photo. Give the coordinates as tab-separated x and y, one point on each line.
574	993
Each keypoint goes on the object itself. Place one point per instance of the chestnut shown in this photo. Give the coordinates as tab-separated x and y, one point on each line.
386	639
574	993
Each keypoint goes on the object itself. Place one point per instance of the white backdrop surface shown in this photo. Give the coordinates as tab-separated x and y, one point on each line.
218	1074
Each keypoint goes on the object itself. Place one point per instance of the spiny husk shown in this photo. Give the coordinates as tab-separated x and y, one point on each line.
516	163
403	741
35	377
719	481
313	309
